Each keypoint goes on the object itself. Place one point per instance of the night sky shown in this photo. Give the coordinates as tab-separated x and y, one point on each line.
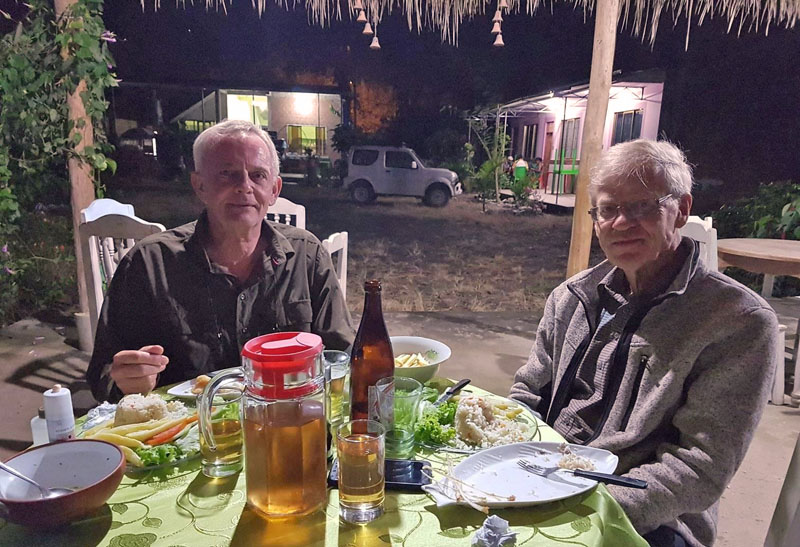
733	103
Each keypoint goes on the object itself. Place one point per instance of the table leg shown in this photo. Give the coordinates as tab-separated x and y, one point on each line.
778	385
795	402
766	287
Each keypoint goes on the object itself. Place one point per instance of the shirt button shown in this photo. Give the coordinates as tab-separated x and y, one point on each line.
244	330
242	297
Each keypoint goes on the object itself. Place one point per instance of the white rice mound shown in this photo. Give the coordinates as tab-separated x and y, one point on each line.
570	460
136	409
477	426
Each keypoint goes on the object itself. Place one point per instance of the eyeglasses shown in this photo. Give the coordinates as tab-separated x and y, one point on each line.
635	210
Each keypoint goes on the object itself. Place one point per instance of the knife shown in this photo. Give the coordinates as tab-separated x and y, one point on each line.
450	391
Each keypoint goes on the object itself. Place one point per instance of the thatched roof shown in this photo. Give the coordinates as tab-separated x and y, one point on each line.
642	17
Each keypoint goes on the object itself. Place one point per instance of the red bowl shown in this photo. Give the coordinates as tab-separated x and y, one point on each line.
93	468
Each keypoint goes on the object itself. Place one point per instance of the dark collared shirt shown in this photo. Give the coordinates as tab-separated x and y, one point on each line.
167	292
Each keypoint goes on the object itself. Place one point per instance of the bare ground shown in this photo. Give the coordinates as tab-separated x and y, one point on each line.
453	258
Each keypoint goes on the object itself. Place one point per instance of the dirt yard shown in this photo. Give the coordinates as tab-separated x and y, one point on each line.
453	258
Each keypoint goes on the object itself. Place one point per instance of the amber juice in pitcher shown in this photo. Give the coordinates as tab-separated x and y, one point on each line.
286	457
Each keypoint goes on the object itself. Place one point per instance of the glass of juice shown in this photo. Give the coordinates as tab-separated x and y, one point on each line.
361	453
226	428
398	401
337	387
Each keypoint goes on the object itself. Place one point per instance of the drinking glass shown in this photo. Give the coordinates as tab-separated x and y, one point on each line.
226	428
361	452
398	401
337	386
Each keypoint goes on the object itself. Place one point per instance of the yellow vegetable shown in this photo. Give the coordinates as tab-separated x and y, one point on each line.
133	428
131	456
118	440
146	434
98	427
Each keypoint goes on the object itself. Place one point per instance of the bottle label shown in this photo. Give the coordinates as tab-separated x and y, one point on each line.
373	412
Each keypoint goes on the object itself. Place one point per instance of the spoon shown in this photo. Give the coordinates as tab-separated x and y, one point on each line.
45	492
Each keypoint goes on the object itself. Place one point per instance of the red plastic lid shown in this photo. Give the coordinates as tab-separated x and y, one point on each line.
284	364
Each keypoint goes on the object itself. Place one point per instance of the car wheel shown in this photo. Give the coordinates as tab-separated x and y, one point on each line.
437	196
362	192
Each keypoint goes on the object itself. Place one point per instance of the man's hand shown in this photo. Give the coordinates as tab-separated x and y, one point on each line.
137	371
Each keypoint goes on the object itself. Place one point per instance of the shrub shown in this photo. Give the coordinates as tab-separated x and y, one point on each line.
750	217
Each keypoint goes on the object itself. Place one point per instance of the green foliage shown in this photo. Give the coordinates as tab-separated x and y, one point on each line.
768	214
445	145
41	64
36	266
346	136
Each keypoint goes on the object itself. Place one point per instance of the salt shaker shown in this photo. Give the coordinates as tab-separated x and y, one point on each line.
39	428
58	414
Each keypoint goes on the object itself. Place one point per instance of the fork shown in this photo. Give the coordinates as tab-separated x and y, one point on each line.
606	478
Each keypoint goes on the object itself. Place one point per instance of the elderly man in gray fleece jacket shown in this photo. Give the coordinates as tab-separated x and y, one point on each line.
650	354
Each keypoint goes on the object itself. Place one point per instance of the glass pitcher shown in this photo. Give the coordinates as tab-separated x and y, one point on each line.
283	415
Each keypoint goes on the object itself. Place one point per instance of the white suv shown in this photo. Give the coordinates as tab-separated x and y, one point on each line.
384	170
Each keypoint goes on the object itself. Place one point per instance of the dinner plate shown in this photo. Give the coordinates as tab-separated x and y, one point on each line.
492	477
184	389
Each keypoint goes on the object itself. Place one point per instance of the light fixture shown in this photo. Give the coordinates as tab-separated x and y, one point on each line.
358	5
502	4
496	28
498	17
367	30
498	41
303	103
375	43
361	17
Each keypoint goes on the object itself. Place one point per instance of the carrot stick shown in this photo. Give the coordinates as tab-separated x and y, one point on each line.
169	434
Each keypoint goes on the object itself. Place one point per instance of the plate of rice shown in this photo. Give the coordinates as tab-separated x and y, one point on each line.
473	423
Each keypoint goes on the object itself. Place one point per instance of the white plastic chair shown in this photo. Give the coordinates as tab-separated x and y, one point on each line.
336	245
106	206
784	530
287	212
104	241
702	231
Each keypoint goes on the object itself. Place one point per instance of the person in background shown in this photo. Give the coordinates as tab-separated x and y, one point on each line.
184	302
519	168
650	354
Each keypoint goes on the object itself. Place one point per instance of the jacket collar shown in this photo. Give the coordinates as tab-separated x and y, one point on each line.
585	285
277	249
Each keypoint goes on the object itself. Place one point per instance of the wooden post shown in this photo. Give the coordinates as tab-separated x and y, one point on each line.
81	181
605	36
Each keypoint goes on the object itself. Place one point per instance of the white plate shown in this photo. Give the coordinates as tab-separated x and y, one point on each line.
495	471
184	389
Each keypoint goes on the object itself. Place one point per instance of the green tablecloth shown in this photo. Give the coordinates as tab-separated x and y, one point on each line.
182	507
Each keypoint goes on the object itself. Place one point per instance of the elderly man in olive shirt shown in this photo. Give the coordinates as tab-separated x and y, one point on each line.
183	302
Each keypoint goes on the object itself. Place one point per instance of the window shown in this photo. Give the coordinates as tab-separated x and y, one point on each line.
251	108
571	137
401	160
627	126
364	157
529	134
301	137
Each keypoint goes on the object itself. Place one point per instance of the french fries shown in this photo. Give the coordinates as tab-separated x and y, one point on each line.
407	360
147	433
131	456
143	426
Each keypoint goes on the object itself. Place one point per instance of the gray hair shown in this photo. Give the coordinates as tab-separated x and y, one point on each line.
644	161
237	129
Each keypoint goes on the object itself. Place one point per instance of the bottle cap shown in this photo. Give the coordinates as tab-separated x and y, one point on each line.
41	412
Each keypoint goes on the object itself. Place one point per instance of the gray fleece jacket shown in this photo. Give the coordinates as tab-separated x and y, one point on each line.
697	378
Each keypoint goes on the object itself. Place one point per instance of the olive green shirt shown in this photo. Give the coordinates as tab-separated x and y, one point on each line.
167	292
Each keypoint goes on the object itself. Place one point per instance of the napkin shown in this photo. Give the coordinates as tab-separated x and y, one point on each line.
494	533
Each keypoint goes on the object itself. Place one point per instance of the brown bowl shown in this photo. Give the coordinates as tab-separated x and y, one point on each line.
93	468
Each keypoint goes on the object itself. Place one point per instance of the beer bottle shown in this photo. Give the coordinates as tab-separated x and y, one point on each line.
372	357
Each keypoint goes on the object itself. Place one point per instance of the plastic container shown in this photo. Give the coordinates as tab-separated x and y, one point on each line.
39	429
58	414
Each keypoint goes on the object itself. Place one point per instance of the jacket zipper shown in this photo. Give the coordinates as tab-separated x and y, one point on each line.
637	382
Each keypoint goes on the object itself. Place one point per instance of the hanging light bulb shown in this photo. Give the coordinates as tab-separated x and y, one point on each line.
361	17
502	4
496	28
375	43
358	5
367	29
498	41
498	17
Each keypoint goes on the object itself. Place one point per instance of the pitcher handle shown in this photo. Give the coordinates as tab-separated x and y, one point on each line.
206	400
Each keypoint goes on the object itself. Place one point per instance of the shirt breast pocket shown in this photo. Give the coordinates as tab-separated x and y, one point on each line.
297	316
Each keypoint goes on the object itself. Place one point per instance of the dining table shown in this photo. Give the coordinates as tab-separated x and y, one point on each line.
771	257
179	506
